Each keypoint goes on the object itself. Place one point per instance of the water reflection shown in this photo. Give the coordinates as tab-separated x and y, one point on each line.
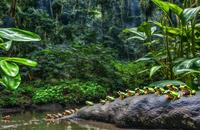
35	121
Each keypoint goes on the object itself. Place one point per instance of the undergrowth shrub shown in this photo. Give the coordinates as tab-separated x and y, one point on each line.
69	92
20	97
131	73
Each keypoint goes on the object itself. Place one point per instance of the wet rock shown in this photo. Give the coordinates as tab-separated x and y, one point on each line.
149	111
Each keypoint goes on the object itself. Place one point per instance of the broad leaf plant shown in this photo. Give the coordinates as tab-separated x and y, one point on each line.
9	69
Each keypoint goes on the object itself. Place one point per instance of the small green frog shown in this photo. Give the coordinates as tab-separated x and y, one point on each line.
187	91
172	95
148	90
110	99
139	92
103	101
130	92
89	103
172	88
159	91
122	95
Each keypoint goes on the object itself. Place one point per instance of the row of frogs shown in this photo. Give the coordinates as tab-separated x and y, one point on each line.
172	93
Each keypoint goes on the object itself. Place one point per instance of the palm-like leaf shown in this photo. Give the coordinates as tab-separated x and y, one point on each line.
187	66
184	72
170	30
185	15
137	38
145	59
189	14
137	35
167	7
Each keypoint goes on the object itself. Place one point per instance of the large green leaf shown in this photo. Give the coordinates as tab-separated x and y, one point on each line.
163	83
11	83
1	40
10	69
6	45
189	14
20	60
154	69
170	30
186	72
158	35
176	9
167	7
187	63
197	63
146	28
162	5
145	59
15	34
136	38
135	32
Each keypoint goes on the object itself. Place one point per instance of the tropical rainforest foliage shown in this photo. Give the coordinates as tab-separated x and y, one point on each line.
90	48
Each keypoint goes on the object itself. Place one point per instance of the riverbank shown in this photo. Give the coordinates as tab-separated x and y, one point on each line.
51	107
39	95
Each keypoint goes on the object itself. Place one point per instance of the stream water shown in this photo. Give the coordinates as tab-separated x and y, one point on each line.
34	121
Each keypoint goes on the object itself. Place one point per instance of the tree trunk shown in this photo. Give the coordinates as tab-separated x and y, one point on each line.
13	8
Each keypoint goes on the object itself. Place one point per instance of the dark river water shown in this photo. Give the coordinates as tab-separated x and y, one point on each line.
34	121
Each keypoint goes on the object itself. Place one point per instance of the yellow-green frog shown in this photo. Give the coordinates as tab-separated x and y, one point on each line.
122	95
172	95
148	90
89	103
139	92
159	91
110	99
172	88
187	91
103	101
130	92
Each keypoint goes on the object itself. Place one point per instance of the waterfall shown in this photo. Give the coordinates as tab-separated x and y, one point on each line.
134	13
45	5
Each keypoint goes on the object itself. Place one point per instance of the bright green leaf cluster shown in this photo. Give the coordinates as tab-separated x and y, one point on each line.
69	92
10	77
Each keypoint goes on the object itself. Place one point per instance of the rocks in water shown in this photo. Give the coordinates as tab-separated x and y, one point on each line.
6	119
51	118
147	111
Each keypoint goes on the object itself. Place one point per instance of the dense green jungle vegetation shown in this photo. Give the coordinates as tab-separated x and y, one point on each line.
87	49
